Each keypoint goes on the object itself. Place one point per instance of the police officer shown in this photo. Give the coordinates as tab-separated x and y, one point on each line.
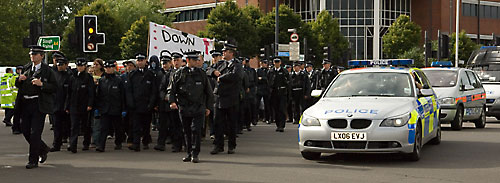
190	92
80	101
326	75
311	75
279	80
37	86
216	57
110	101
8	93
244	90
229	74
250	97
300	87
263	91
289	111
174	122
16	126
130	66
142	89
60	115
163	107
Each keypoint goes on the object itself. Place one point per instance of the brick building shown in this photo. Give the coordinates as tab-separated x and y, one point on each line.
364	22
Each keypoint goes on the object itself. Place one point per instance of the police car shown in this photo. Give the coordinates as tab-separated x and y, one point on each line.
460	93
372	110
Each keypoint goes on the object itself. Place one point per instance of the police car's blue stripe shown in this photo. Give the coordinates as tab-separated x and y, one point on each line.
426	126
411	136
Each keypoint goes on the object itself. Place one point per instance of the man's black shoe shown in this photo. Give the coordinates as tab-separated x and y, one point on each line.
176	149
240	132
187	158
277	129
7	123
216	151
54	149
99	149
16	132
159	147
195	159
43	157
230	151
282	130
85	148
72	149
31	166
135	148
249	129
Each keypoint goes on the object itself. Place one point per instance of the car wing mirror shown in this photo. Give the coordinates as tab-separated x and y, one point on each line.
468	87
426	92
316	93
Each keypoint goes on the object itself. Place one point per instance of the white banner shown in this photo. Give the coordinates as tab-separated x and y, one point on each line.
164	38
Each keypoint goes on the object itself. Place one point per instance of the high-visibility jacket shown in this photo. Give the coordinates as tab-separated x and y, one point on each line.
8	90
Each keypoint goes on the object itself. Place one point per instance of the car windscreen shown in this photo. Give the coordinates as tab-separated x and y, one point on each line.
371	84
440	78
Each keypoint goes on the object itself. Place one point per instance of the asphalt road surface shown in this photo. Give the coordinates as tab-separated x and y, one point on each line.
262	155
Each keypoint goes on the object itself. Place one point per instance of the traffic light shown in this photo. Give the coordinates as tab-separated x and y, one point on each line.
327	52
35	32
445	46
310	54
86	28
428	49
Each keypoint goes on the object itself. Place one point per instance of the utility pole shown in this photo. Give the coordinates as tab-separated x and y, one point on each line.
457	32
478	21
276	30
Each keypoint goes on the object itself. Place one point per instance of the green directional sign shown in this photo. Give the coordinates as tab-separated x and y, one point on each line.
50	43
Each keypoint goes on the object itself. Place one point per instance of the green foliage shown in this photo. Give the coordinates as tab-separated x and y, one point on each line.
228	22
135	39
415	53
465	46
403	35
15	26
327	30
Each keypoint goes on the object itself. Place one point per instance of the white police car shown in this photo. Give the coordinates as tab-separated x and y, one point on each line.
460	95
380	110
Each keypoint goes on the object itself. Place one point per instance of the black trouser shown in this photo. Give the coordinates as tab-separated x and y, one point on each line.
9	113
170	125
141	128
266	113
79	121
241	116
32	127
127	127
108	121
249	112
225	122
16	124
60	118
192	126
279	106
298	104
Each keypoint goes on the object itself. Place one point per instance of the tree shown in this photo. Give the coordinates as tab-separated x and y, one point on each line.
15	27
228	22
135	39
465	46
416	53
327	30
403	35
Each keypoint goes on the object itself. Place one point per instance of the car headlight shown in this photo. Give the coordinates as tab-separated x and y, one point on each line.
396	121
309	121
447	100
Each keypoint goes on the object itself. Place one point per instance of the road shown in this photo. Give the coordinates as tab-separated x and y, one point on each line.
262	155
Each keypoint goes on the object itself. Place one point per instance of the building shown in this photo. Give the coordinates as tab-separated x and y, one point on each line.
365	22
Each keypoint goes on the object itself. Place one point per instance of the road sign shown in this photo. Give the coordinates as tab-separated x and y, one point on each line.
283	54
283	47
50	43
295	51
294	37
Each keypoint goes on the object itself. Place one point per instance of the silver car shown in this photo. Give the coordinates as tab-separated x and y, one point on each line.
461	95
372	110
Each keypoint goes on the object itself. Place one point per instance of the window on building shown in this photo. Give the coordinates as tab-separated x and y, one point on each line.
473	10
487	12
494	12
361	4
466	9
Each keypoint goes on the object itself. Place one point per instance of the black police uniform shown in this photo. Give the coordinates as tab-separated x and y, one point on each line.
60	114
300	88
242	106
110	101
325	77
263	93
16	123
279	80
35	103
227	96
142	91
191	91
250	114
81	95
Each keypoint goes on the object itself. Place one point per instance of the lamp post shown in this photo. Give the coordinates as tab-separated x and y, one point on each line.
457	32
276	29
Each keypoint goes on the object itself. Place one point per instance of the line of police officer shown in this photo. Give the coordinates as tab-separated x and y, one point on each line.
228	93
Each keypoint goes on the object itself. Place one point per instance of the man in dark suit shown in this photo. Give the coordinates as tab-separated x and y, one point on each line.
37	86
279	80
142	91
229	73
263	91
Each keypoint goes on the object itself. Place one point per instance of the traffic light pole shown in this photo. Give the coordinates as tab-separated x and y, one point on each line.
276	29
439	46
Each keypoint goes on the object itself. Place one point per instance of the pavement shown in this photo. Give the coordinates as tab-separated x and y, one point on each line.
262	155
